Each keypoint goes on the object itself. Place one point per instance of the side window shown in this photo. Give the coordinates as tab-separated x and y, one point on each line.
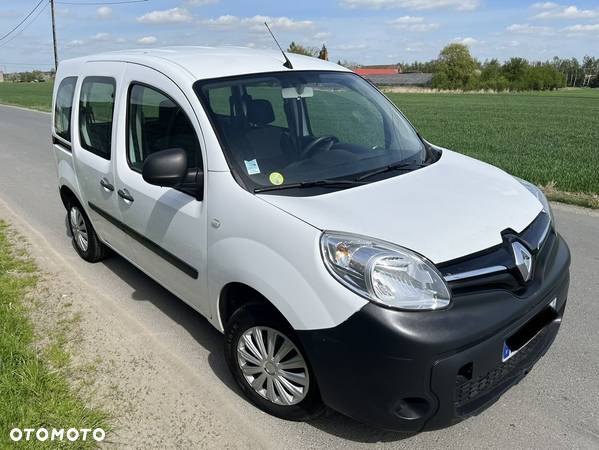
155	122
96	108
63	108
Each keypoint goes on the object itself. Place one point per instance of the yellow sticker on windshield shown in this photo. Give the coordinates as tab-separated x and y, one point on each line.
276	178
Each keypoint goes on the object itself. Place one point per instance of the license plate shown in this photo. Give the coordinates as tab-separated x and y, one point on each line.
507	352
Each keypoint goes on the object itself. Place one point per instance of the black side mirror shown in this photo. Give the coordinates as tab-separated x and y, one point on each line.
166	168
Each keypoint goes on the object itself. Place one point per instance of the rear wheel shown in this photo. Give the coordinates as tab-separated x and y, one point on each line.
269	364
85	239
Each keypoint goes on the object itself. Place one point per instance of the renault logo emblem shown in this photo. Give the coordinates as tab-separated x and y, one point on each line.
523	260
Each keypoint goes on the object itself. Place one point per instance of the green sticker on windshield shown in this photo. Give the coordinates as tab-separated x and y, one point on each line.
276	178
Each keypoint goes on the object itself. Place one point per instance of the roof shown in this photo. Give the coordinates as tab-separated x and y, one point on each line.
402	79
212	62
375	71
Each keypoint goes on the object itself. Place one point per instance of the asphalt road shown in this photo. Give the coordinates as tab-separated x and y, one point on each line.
555	406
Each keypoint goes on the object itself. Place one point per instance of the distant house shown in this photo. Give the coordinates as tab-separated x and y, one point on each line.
1	77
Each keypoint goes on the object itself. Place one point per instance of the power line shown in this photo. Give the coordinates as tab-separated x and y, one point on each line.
18	33
22	21
118	2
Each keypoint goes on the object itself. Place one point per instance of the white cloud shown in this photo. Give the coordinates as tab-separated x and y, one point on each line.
350	47
147	40
461	5
411	23
322	35
104	12
568	12
544	5
588	28
75	43
174	15
524	28
102	37
469	41
256	23
201	2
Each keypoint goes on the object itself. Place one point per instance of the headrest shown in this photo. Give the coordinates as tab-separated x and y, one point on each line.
260	112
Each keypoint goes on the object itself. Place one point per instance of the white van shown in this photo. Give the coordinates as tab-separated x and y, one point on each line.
348	261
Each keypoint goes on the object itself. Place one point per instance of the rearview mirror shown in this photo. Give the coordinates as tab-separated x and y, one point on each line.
301	92
165	168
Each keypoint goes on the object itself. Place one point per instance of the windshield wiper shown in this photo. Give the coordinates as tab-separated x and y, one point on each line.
390	167
309	184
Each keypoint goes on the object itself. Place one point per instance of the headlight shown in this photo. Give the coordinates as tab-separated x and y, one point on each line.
384	273
539	195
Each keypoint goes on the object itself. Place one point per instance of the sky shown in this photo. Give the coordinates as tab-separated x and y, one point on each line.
362	31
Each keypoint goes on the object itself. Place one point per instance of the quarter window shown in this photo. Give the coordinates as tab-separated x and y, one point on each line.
96	108
63	108
156	122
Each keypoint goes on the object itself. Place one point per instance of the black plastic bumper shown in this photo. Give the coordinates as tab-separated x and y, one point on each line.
413	371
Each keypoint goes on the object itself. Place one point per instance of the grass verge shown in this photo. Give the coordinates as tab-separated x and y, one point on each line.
34	389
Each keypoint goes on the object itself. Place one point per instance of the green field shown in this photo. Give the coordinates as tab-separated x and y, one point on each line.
546	137
542	137
30	95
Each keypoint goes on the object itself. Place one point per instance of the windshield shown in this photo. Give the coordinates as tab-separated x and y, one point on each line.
288	128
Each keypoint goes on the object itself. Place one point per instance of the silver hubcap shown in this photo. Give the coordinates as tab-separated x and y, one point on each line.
79	229
273	366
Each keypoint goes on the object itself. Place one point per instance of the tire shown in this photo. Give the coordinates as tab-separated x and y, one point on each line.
85	240
269	375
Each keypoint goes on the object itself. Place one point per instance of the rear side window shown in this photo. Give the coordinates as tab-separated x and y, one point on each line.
63	108
96	108
156	122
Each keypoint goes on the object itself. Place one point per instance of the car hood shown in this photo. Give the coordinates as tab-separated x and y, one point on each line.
452	208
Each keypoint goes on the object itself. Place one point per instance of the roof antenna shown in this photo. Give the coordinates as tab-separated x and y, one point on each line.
287	62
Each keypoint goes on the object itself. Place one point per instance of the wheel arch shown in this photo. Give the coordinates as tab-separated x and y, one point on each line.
235	295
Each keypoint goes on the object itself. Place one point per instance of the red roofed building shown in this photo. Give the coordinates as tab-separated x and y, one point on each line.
371	71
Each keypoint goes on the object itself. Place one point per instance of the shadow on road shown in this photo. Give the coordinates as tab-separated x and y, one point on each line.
147	290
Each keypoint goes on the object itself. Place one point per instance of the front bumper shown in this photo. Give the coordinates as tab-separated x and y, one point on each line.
413	371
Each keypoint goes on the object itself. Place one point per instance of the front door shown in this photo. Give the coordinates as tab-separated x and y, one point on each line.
167	225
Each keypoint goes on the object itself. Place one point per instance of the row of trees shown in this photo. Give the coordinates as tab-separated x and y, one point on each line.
455	68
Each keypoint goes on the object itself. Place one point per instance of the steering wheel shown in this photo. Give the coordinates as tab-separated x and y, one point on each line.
309	150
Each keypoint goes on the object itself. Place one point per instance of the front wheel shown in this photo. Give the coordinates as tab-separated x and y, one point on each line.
85	239
269	365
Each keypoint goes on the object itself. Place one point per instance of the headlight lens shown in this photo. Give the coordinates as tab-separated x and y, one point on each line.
538	193
384	273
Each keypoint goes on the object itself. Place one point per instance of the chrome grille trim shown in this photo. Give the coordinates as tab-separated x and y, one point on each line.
474	273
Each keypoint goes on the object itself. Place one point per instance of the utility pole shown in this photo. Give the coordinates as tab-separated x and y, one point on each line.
54	37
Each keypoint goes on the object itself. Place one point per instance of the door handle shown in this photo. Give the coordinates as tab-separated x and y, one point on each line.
125	195
106	184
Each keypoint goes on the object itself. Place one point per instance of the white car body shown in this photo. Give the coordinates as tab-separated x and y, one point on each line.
456	207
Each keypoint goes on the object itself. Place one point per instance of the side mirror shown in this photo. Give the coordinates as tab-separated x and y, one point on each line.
166	168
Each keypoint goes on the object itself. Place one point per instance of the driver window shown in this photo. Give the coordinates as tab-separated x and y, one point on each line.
155	122
336	110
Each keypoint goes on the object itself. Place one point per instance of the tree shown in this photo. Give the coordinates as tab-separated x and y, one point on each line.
514	70
456	67
324	53
301	50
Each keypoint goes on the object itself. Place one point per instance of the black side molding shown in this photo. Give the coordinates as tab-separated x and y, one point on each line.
64	145
150	245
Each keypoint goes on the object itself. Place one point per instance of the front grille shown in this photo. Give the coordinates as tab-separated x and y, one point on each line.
468	391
